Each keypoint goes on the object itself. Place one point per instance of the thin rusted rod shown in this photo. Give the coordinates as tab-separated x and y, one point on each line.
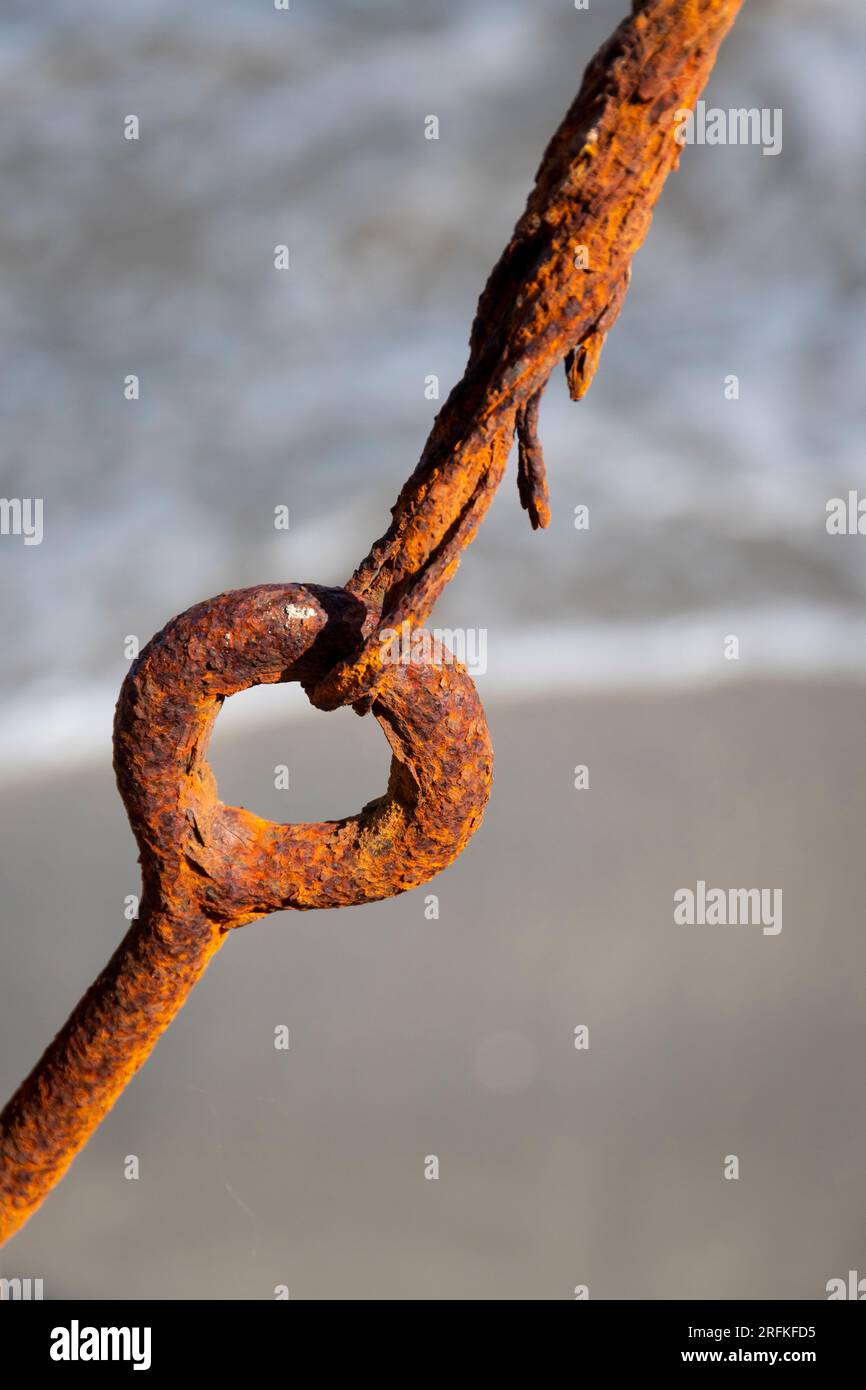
111	1032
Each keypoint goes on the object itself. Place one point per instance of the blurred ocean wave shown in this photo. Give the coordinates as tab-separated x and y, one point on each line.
257	128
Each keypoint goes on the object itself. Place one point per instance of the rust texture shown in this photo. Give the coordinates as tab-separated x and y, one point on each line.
207	867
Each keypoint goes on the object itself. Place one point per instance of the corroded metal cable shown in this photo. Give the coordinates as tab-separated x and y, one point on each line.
208	868
553	297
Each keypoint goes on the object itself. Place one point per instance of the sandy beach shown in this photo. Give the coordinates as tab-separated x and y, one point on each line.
412	1037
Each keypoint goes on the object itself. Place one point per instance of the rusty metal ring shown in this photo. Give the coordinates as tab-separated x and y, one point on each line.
233	866
208	867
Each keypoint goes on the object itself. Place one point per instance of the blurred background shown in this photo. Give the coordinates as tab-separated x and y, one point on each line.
411	1035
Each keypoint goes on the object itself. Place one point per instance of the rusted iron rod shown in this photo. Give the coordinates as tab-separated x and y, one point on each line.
208	868
110	1033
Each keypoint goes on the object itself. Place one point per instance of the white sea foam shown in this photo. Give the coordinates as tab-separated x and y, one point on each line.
48	728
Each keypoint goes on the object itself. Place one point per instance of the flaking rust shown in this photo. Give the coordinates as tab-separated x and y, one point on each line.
208	868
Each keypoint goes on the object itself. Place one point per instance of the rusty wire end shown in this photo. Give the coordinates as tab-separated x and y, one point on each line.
531	473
